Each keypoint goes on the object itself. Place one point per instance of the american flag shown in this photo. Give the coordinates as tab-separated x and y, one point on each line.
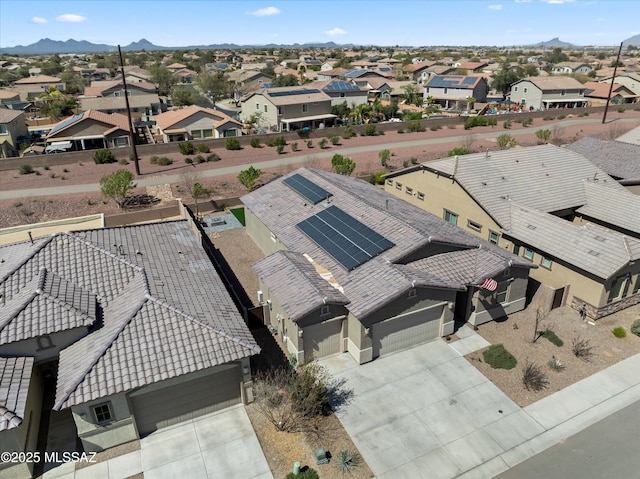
489	284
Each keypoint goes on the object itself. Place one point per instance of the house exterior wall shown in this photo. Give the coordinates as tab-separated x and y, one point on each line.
527	91
86	127
30	347
631	83
256	106
260	234
483	309
9	141
352	98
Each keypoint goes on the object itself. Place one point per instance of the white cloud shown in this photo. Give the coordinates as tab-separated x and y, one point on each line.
265	12
335	31
38	20
495	7
71	17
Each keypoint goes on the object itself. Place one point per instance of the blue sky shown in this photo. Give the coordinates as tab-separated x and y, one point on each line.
362	22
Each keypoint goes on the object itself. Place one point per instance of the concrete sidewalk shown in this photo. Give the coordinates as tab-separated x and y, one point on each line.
427	412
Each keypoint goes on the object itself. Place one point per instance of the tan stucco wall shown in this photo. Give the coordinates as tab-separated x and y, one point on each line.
261	235
21	233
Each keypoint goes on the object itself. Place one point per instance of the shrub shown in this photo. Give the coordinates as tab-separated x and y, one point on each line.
507	124
349	132
164	161
582	349
200	159
186	148
498	357
474	121
309	144
347	460
506	141
619	332
280	149
435	127
635	327
202	148
378	178
547	118
384	156
621	109
303	133
413	160
213	157
188	160
556	365
232	144
369	130
308	473
552	337
533	378
561	117
294	146
459	151
26	169
405	163
526	121
334	139
100	157
123	161
492	121
46	167
154	160
255	142
279	141
415	126
323	143
543	135
343	165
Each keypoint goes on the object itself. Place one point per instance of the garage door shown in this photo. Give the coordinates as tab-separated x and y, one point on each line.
322	340
406	331
186	400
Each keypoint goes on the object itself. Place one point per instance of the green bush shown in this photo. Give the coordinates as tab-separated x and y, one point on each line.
552	337
334	139
294	146
506	141
415	127
348	460
308	473
202	148
279	149
100	157
188	160
635	327
474	121
498	357
619	332
280	141
369	130
309	144
323	143
303	134
459	151
26	169
186	148
507	124
232	144
378	178
492	121
121	161
621	109
200	159
384	156
164	161
213	157
543	135
255	142
349	132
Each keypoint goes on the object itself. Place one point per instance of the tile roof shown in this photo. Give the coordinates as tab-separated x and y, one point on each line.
616	158
554	82
612	207
164	309
15	376
601	90
118	102
377	281
545	177
37	80
465	82
168	119
7	116
591	248
286	271
113	120
293	95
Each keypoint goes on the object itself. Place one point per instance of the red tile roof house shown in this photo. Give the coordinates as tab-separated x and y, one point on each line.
91	130
196	123
134	327
598	92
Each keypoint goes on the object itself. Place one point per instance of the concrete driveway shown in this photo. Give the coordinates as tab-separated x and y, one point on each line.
426	412
221	444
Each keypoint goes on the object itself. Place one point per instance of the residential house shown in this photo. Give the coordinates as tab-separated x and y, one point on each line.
341	91
417	71
185	76
13	130
134	74
571	67
288	108
361	77
33	87
108	97
532	201
473	67
249	79
543	93
628	79
349	267
597	93
452	91
195	123
11	99
91	130
324	75
129	328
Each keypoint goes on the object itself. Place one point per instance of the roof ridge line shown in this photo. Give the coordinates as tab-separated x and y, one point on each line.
200	322
295	266
27	258
41	291
109	253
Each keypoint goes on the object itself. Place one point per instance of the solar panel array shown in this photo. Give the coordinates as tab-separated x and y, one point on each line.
304	91
341	86
451	81
66	123
306	188
343	237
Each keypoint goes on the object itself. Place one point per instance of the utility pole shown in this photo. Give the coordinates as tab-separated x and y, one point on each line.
613	79
132	136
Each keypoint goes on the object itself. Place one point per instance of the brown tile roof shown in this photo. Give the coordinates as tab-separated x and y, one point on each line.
555	82
168	119
37	79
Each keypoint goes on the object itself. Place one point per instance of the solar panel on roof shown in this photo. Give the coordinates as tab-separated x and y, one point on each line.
306	188
305	91
66	123
469	81
341	86
347	240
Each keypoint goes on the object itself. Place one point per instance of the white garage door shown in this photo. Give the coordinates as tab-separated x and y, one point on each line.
186	400
322	340
403	332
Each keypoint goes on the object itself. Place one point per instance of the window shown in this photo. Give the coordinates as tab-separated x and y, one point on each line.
516	249
515	88
545	262
500	295
257	106
343	95
390	182
493	237
450	217
44	342
618	288
563	93
398	185
524	90
412	293
472	225
121	141
528	253
305	108
506	273
102	413
636	287
446	90
266	109
420	196
4	130
325	310
408	190
280	110
116	93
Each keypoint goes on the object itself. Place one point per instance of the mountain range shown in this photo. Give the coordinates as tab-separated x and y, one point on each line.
48	46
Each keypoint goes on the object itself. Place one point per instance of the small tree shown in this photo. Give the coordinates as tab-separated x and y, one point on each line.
191	181
543	135
506	141
186	148
323	143
458	151
103	156
232	144
343	165
117	185
249	177
384	156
